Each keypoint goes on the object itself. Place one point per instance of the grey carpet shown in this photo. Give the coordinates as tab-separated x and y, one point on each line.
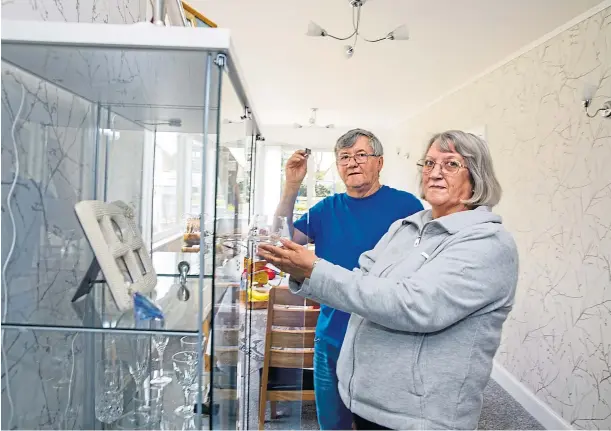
499	412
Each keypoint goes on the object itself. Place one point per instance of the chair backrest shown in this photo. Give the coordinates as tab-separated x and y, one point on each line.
291	323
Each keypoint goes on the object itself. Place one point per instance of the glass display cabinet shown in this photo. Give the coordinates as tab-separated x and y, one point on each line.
158	118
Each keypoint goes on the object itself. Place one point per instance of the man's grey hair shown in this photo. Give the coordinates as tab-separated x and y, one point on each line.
348	139
487	190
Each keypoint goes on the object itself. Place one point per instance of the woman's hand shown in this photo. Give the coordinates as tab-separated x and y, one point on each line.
292	258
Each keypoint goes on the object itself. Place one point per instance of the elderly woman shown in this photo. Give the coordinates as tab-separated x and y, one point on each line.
428	302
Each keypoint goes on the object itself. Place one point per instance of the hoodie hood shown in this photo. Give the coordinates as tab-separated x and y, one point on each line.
453	223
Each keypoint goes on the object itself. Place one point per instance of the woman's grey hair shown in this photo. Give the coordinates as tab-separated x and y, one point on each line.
349	138
487	190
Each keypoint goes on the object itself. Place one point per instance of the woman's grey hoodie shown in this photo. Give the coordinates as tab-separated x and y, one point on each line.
428	304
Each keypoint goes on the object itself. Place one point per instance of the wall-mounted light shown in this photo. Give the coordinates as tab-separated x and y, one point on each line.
588	94
605	110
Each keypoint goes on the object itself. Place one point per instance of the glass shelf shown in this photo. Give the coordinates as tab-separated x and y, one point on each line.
98	311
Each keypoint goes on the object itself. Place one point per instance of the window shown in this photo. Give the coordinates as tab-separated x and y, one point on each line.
175	179
176	183
321	181
326	177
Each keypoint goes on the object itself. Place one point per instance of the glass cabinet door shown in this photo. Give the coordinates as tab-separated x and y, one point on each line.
167	131
231	212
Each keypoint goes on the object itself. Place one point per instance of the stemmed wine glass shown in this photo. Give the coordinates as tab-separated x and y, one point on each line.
160	342
150	403
133	421
185	365
140	350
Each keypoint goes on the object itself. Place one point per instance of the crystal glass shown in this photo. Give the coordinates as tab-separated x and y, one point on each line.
185	369
193	390
259	226
150	403
138	362
192	344
133	421
109	390
160	342
280	229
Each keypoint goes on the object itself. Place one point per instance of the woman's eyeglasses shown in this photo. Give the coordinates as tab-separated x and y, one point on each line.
359	158
449	167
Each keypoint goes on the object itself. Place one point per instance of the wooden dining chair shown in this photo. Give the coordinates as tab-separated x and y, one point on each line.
287	371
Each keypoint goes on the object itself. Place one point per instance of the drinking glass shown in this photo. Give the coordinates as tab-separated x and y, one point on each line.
109	391
185	369
133	421
192	344
150	403
193	390
160	342
140	350
259	227
280	229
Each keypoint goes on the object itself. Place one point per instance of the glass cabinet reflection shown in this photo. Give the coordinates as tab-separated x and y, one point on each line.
167	131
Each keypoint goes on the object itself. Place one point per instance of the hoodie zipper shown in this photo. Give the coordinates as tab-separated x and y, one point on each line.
417	242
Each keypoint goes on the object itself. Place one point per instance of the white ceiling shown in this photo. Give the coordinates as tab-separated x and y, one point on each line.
287	72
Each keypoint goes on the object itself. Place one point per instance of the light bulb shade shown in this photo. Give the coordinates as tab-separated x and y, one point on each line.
400	33
348	51
589	90
315	30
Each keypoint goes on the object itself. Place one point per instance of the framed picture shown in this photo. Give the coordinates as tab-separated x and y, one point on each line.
196	18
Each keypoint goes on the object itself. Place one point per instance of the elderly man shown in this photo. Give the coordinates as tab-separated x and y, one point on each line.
342	227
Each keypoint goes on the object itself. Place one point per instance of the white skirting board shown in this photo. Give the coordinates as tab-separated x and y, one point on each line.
547	417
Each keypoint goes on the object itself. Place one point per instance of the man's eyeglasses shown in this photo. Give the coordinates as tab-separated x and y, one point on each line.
448	167
360	158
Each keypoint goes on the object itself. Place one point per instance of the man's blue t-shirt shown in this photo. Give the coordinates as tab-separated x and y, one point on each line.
343	228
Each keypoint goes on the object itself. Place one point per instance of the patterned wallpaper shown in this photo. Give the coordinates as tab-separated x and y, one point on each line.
106	11
55	141
554	164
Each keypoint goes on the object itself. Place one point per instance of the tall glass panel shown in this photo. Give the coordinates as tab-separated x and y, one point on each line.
230	212
80	124
243	345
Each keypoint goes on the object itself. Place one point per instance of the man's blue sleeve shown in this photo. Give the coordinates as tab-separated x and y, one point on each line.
413	204
310	223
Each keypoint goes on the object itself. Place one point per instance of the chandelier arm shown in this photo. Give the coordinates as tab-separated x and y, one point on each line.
338	38
376	40
356	28
358	24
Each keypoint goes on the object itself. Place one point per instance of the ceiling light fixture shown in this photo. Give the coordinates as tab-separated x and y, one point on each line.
400	33
312	122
